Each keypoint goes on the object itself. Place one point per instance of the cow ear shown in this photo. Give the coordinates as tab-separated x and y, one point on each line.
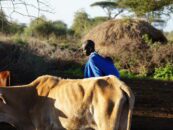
2	99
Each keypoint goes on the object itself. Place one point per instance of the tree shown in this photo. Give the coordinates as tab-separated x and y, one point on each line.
98	20
7	27
60	28
11	7
150	9
16	28
112	9
4	24
81	23
41	27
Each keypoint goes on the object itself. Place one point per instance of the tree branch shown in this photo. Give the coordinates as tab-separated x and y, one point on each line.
40	4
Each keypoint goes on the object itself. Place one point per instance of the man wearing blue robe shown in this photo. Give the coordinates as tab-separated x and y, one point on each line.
97	65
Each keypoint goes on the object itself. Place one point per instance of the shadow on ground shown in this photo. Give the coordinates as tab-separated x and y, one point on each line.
153	106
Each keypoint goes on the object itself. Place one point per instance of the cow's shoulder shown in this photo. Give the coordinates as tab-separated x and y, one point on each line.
45	83
105	81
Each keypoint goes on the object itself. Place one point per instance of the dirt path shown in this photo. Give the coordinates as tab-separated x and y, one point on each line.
154	105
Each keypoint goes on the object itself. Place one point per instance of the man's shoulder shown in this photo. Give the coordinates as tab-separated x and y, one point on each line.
96	59
95	55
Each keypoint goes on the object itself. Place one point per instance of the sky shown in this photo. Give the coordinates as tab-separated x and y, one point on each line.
62	10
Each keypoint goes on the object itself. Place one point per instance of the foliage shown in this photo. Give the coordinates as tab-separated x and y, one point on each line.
169	36
110	8
141	8
77	72
80	23
165	73
98	20
134	59
31	29
126	74
10	28
142	59
15	28
4	24
60	28
147	39
43	28
18	39
149	8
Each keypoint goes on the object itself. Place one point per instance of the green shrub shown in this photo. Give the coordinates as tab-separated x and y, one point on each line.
126	74
43	28
18	40
169	36
165	73
74	72
147	39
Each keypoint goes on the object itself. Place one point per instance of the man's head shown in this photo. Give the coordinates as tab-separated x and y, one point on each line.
88	47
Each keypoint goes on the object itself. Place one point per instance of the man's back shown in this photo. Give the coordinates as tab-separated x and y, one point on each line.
99	66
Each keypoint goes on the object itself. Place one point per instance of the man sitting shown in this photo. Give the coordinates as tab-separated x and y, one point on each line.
96	64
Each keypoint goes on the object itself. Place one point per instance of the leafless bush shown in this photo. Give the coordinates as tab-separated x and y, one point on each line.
25	8
26	62
162	54
142	58
133	57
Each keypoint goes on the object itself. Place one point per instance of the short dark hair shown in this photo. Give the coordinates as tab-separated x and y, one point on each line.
89	43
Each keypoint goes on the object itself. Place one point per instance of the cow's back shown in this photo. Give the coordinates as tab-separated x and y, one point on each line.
91	101
74	104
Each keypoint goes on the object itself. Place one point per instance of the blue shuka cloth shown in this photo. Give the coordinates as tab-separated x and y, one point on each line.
98	66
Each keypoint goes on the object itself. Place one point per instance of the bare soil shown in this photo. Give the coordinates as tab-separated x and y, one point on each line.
153	104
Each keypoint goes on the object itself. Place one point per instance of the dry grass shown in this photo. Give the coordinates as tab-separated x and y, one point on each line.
113	32
28	61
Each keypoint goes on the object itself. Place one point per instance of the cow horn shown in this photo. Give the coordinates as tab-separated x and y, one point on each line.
2	98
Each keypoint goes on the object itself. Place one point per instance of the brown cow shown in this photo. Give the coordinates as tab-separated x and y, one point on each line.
4	78
51	103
